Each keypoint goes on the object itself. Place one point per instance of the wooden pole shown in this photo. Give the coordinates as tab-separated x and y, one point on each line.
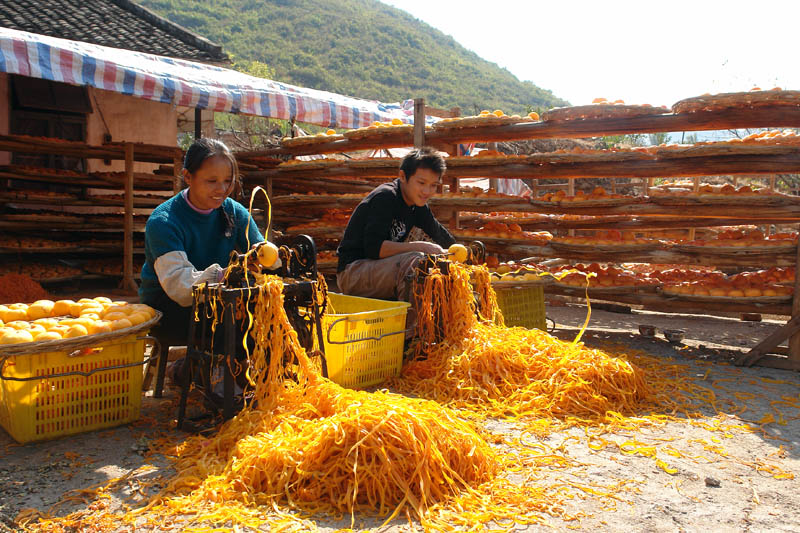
493	182
696	189
268	188
419	122
571	192
198	123
128	282
794	340
452	186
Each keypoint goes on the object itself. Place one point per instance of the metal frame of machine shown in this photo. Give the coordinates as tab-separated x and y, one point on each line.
299	263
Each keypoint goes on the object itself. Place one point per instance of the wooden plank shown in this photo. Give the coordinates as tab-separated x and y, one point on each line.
453	112
386	140
661	257
643	168
775	361
128	282
638	223
652	215
115	151
769	343
657	302
84	181
786	213
768	117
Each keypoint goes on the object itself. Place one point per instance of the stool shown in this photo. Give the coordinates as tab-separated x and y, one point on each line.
167	339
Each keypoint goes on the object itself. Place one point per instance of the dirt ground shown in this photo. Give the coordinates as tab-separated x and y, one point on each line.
737	469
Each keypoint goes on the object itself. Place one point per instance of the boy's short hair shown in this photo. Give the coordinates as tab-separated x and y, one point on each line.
425	157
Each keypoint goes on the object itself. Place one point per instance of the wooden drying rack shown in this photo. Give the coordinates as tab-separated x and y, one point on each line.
653	214
647	213
128	152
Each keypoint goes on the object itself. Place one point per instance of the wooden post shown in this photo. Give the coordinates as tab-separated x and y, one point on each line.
493	182
571	192
419	122
198	123
177	178
794	340
452	186
696	189
128	282
613	185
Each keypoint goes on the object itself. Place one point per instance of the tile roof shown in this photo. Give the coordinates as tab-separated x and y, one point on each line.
114	23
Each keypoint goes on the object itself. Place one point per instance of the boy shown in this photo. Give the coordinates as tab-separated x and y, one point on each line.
375	261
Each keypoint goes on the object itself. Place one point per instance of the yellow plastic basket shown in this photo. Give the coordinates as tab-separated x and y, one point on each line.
363	339
51	394
522	306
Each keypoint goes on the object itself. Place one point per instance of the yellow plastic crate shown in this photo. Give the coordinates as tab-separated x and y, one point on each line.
363	339
522	306
53	405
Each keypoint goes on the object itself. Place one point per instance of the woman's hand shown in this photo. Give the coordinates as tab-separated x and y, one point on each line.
430	248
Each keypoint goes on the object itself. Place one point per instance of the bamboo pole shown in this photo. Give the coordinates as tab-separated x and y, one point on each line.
128	282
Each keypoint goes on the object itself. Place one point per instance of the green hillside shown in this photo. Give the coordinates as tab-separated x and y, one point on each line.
360	48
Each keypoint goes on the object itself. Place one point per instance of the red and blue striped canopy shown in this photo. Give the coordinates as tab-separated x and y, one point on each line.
185	83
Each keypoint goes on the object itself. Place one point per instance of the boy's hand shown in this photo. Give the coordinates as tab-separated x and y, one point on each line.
428	247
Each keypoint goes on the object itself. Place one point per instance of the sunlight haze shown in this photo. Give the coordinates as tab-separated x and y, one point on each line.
641	52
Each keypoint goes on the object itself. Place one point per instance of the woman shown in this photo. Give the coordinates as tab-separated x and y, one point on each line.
190	237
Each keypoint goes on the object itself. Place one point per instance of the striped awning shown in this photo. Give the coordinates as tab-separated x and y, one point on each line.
185	83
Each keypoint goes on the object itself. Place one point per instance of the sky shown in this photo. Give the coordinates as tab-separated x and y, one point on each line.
643	52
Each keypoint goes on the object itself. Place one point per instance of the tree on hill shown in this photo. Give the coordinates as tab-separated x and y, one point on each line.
360	48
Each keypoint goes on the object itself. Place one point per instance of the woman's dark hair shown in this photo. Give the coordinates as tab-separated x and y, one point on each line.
425	157
204	148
